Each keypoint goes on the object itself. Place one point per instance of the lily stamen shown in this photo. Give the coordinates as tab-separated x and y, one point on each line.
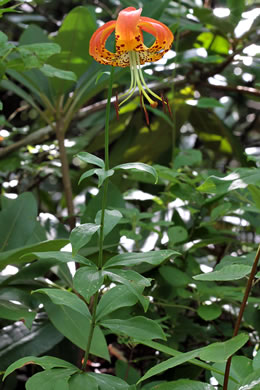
131	50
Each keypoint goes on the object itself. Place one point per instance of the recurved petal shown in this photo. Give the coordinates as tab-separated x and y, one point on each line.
128	33
163	35
98	41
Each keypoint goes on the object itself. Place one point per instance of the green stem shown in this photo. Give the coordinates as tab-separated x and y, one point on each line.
91	331
101	235
241	312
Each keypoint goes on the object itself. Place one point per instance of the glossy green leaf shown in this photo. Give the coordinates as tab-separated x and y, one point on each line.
238	179
82	380
170	363
135	327
60	257
185	384
111	219
103	175
81	235
219	352
173	352
174	276
46	362
132	259
16	312
229	272
76	326
87	174
114	299
109	382
65	298
54	379
256	361
73	37
35	54
221	210
91	159
17	222
51	71
127	278
88	281
127	372
17	341
240	368
139	167
15	256
209	312
251	382
177	234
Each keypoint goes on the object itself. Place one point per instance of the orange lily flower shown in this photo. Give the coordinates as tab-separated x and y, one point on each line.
130	48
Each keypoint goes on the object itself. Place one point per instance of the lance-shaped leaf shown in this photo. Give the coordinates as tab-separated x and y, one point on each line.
46	362
137	166
229	272
54	379
81	235
91	159
66	298
58	256
132	259
114	299
111	219
135	327
219	352
87	281
133	282
51	71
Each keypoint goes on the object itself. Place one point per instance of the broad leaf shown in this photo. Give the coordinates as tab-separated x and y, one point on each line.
51	71
170	363
82	380
229	272
185	384
132	259
91	159
60	257
88	281
111	219
76	326
81	235
209	312
17	256
252	381
66	298
55	379
17	341
46	362
135	327
238	179
114	299
127	278
138	167
16	312
17	222
109	382
219	352
73	38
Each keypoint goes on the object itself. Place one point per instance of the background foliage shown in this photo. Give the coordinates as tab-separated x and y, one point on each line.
205	204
